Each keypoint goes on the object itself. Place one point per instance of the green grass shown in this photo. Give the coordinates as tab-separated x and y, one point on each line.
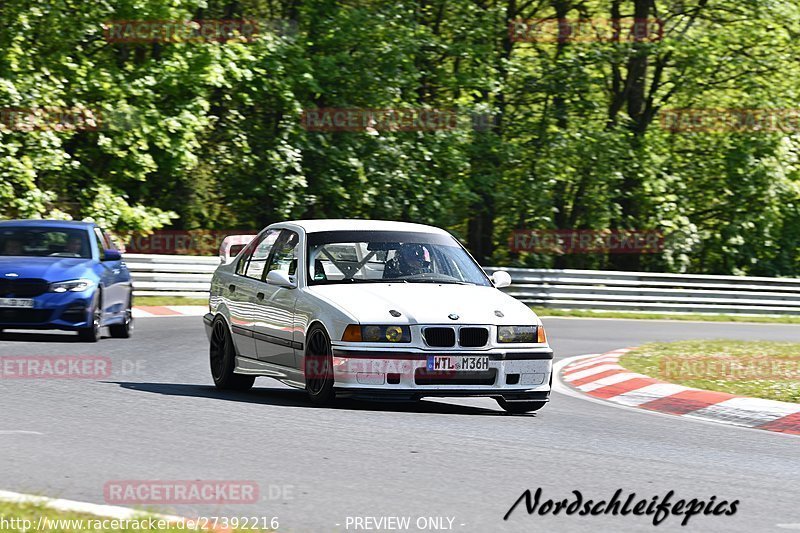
635	315
12	512
758	369
169	300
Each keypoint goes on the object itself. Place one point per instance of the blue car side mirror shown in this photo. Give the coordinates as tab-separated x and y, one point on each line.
111	255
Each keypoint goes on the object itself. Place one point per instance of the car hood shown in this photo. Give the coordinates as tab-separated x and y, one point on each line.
47	268
426	303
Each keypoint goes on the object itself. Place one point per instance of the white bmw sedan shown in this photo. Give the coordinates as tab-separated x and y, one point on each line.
372	309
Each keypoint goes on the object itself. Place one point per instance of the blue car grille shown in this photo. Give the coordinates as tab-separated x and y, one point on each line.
22	288
24	316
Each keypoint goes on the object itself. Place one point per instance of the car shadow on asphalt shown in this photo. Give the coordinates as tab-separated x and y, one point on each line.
297	398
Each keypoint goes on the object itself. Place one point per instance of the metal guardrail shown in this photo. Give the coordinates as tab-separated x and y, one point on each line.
176	275
644	291
171	275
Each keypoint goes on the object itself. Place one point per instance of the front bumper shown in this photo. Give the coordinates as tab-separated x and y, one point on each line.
208	320
68	311
512	374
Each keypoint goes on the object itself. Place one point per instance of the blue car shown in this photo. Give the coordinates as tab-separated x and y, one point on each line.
63	275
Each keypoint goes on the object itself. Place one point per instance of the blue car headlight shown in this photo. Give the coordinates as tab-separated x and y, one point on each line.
75	285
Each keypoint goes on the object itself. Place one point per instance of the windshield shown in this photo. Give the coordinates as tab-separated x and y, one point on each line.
44	242
389	256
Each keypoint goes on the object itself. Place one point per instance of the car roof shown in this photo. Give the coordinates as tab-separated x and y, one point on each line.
75	224
353	224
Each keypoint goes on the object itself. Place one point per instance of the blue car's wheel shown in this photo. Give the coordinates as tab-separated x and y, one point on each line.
124	330
92	333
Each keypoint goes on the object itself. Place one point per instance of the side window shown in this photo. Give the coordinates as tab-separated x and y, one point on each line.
285	256
101	243
110	244
253	262
248	251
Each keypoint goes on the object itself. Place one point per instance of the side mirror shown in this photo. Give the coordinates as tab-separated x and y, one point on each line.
111	255
501	279
232	245
276	277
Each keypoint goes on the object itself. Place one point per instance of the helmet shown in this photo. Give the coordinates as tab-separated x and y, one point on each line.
413	255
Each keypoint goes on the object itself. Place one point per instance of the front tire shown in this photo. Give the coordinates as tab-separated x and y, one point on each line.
518	408
222	357
318	367
92	333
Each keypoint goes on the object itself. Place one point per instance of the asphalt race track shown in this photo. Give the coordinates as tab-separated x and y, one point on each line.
158	418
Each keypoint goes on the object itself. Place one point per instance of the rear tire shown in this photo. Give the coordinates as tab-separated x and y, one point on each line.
318	367
124	330
92	333
222	357
518	408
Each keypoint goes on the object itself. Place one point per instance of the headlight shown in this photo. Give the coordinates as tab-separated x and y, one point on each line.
531	334
75	285
356	333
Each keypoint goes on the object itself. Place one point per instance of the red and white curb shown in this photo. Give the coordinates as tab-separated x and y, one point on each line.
149	311
601	377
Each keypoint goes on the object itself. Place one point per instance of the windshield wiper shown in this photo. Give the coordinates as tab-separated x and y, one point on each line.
440	281
356	280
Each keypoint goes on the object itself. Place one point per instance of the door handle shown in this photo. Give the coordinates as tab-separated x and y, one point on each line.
232	288
260	295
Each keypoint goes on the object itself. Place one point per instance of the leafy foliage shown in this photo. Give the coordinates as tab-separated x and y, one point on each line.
571	132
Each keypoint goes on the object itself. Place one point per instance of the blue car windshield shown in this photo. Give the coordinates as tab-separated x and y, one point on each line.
44	242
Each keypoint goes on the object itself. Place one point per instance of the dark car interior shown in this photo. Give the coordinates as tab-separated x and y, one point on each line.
30	242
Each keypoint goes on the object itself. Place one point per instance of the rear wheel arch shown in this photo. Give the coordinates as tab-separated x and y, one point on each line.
223	311
222	358
223	317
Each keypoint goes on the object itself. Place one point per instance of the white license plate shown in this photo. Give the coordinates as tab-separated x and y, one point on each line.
16	302
449	363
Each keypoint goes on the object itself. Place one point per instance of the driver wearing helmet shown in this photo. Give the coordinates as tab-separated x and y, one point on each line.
408	261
